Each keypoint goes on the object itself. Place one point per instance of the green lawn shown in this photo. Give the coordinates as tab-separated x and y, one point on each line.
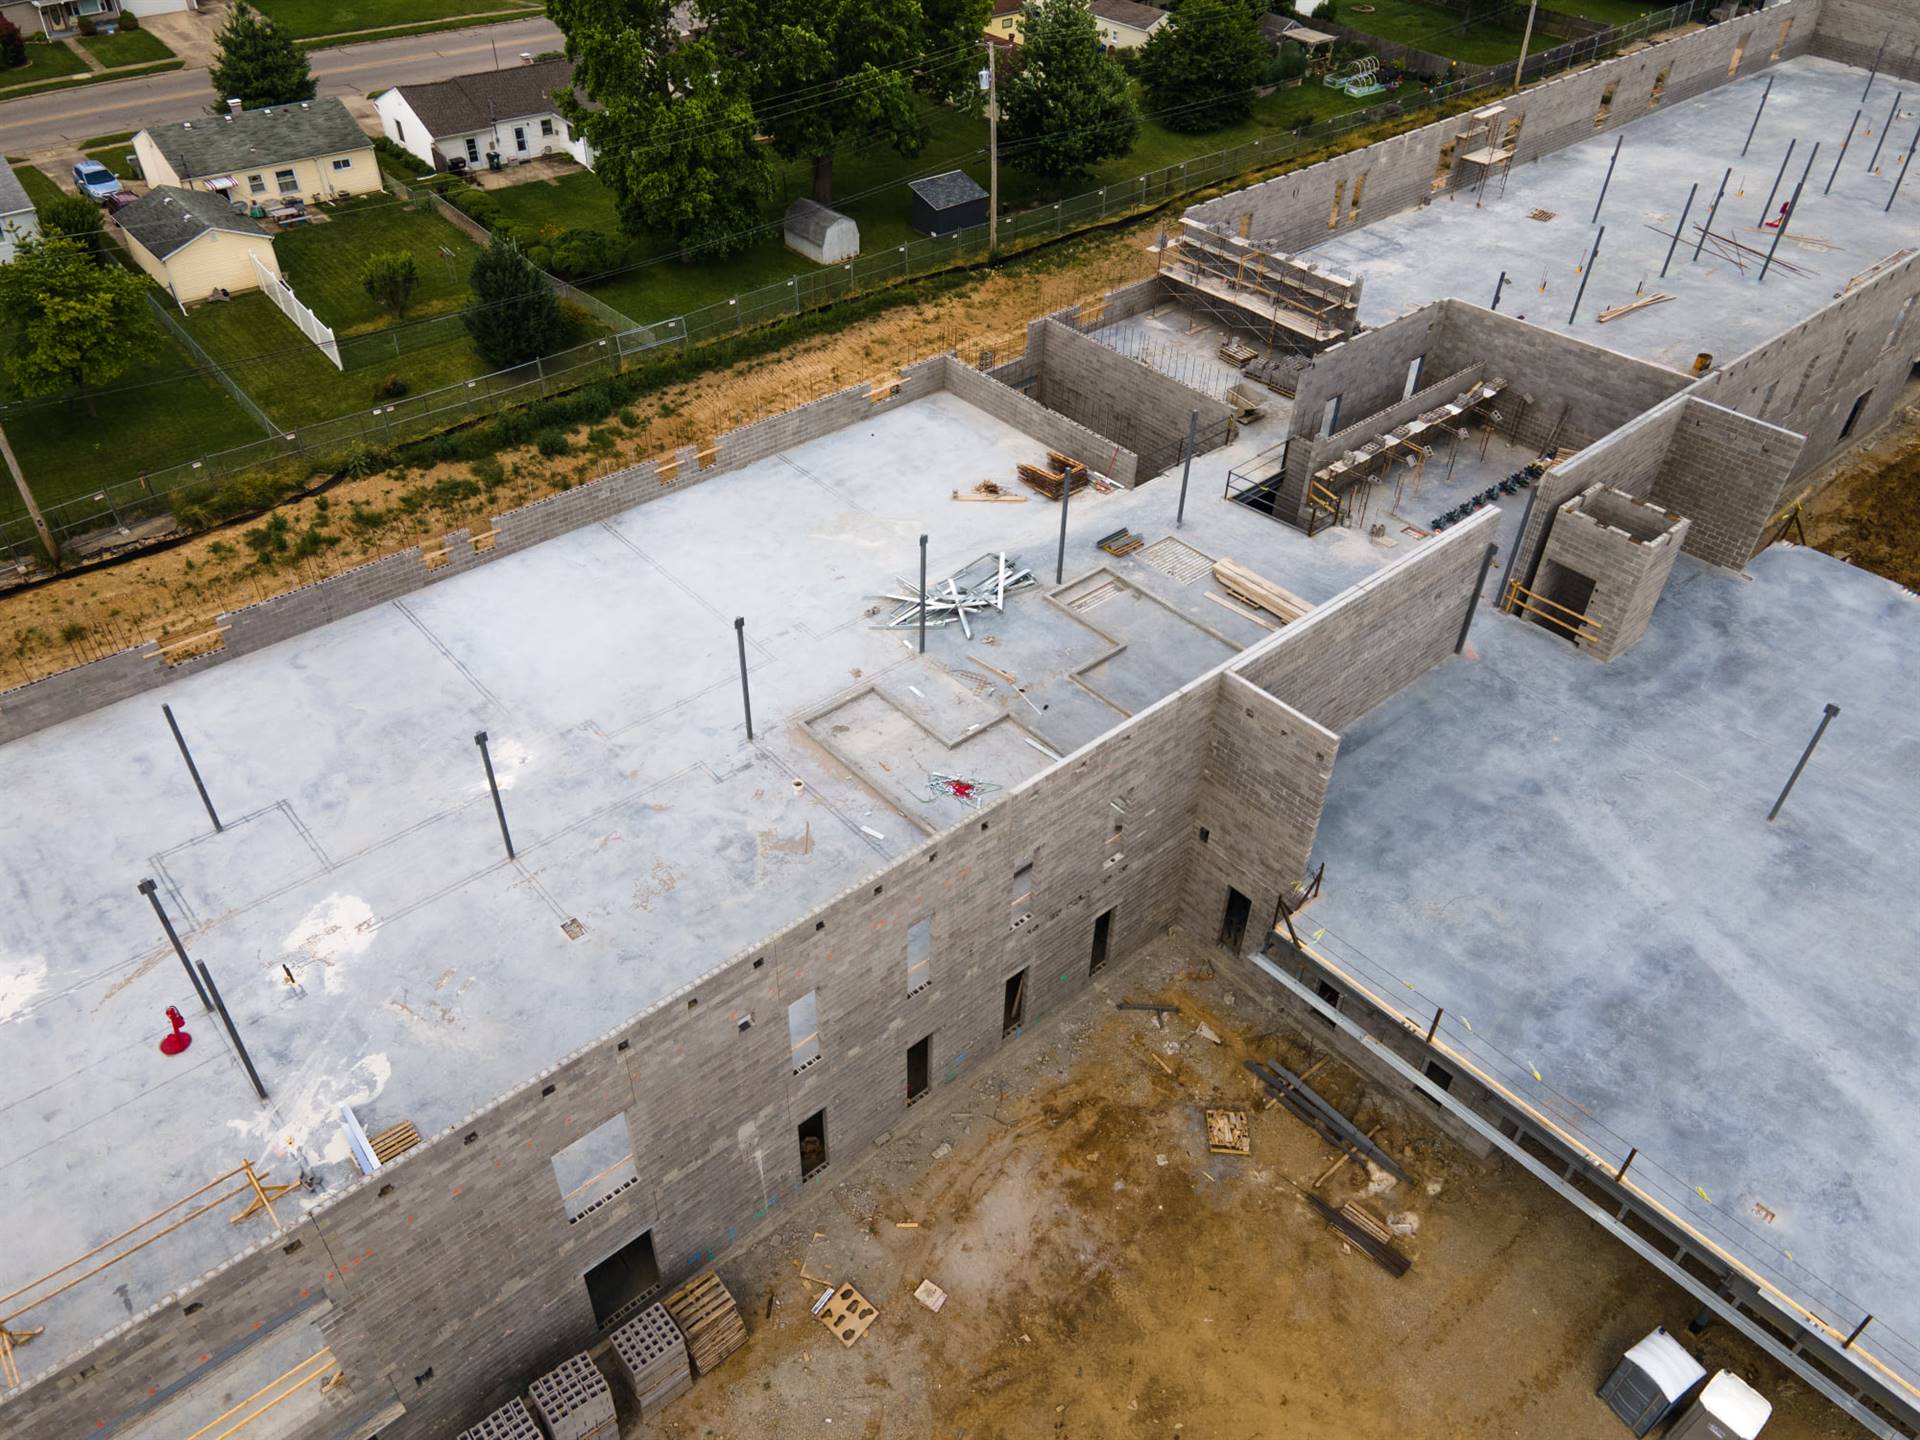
126	47
870	187
306	18
323	262
38	187
44	62
292	381
158	414
1427	27
1604	12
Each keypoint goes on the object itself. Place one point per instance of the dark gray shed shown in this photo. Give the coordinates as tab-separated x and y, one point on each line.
1650	1381
945	203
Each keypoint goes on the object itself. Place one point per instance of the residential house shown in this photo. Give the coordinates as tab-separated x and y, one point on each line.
1005	24
18	219
195	242
311	150
1126	24
56	18
509	112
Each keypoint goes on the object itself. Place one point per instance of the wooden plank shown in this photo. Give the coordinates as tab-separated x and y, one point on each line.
1383	1255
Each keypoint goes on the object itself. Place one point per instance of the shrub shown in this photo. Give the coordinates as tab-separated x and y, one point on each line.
87	27
581	253
489	472
129	20
13	48
391	388
391	277
552	443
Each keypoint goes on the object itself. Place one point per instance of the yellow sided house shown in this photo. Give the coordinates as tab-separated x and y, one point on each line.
311	150
194	242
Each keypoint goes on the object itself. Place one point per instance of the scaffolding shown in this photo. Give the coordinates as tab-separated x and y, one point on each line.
1287	302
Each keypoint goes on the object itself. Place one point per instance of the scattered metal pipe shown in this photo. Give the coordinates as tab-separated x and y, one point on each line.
1618	140
192	769
233	1032
1892	115
746	700
1785	160
1685	210
1826	719
1900	179
152	892
1853	125
500	810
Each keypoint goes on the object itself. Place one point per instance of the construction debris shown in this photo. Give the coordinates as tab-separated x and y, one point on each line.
1251	589
966	789
1333	1127
988	492
1052	483
1121	542
1361	1234
846	1312
1227	1132
982	585
1642	303
1237	353
930	1295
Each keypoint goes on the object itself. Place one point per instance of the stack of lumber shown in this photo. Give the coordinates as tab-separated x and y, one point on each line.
708	1320
1121	542
1237	352
1227	1133
1360	1233
653	1354
1257	590
1053	483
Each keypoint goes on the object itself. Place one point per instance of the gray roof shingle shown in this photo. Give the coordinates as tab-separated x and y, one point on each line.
942	192
258	139
1129	12
167	219
13	195
478	101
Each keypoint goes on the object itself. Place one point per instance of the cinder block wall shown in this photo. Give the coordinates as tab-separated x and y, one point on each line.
1856	31
1051	429
1126	400
1628	571
1292	212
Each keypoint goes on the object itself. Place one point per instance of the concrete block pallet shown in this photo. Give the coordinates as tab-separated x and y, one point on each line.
510	1422
653	1354
574	1402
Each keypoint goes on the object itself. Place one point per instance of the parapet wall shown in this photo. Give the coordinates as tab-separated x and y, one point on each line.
1861	32
1297	210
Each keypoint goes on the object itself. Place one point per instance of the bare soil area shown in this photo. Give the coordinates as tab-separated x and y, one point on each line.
177	592
1107	1275
1866	507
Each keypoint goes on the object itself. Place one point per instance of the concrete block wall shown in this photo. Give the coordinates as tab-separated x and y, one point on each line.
1049	428
1449	386
1725	472
1371	641
1854	32
1291	212
1627	549
1124	399
1808	379
1258	810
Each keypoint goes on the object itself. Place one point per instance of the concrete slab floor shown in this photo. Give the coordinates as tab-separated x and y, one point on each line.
1458	246
1575	860
361	853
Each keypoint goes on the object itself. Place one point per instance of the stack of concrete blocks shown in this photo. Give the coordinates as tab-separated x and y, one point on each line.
510	1422
574	1402
1627	548
654	1356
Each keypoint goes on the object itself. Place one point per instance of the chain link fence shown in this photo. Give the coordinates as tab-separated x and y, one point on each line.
117	509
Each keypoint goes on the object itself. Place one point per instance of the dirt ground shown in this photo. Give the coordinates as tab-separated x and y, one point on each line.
177	592
1866	506
1107	1276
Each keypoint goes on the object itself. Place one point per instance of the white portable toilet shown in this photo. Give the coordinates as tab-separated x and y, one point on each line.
1650	1381
1728	1409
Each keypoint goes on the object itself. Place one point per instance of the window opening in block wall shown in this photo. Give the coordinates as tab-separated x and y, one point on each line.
1116	834
1339	193
1359	189
1022	906
595	1168
803	1030
919	955
1442	1079
1332	996
813	1144
1443	165
1853	415
1330	417
1780	40
1233	924
1013	1004
1413	376
1739	53
919	1068
1512	140
1659	86
1102	935
623	1282
1606	107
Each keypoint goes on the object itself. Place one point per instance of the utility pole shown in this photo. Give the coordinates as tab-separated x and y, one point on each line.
1525	38
991	78
33	507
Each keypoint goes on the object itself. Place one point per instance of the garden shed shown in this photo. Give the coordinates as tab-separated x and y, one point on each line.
822	235
945	203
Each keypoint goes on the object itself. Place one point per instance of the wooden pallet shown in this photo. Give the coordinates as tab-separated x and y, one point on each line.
708	1320
1227	1132
395	1140
846	1312
1237	353
1122	542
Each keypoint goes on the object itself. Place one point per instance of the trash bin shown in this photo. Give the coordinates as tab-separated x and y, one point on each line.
493	159
1650	1381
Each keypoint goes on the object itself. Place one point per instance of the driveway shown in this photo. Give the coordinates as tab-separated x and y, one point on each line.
41	123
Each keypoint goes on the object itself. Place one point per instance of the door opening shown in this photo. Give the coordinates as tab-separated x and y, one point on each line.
1102	930
1013	1009
813	1144
919	1068
1233	925
619	1283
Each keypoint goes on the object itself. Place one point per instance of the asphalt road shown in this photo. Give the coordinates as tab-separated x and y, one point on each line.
43	122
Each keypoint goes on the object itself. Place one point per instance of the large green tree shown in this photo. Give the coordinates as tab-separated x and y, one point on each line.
828	73
670	121
257	62
514	317
1199	69
1065	105
78	220
74	325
